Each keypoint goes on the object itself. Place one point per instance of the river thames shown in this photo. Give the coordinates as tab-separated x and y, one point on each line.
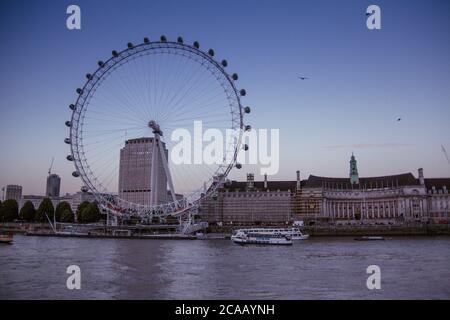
318	268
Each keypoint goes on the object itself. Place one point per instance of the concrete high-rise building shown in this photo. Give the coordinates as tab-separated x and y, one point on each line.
53	185
135	172
13	192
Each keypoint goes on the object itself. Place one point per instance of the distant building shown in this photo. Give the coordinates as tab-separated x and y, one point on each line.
439	198
53	185
388	200
13	192
34	199
135	172
78	198
251	202
37	199
74	200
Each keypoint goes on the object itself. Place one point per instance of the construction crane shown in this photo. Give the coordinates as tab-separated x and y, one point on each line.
445	154
51	166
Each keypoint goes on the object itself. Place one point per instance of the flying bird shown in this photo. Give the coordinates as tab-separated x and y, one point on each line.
399	119
302	78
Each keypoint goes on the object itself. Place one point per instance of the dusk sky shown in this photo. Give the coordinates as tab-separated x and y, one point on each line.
360	81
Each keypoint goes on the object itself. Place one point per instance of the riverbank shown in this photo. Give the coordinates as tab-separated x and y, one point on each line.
358	230
168	236
401	230
74	230
101	231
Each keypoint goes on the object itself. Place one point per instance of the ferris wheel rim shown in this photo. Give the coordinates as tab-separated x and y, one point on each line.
94	81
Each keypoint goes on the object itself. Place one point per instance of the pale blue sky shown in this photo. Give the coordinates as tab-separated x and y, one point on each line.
360	82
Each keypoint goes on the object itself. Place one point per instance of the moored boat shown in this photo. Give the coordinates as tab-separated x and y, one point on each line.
6	238
200	235
369	238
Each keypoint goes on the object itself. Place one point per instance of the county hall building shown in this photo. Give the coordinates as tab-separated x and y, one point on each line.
385	200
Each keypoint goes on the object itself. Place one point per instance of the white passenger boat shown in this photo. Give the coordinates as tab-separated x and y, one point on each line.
241	237
294	233
283	236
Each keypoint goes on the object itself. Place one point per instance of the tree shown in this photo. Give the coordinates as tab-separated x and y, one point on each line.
90	213
28	212
80	208
45	208
156	220
60	208
171	220
67	216
9	211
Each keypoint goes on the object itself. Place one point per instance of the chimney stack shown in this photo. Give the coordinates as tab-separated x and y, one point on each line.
250	180
421	178
265	180
298	180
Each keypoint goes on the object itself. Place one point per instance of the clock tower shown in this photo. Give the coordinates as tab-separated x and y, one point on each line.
354	178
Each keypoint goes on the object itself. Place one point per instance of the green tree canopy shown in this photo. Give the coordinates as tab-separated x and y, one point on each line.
67	216
89	214
80	208
9	211
46	207
60	208
28	212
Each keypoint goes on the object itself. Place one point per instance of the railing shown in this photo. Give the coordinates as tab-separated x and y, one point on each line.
188	228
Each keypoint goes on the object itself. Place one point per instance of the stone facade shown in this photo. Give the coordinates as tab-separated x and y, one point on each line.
250	202
377	200
438	199
385	200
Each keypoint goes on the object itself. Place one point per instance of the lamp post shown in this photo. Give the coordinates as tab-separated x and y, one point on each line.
364	206
446	209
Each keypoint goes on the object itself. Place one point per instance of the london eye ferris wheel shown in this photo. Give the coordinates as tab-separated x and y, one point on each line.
141	95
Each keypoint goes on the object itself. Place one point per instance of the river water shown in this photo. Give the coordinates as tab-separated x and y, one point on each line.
318	268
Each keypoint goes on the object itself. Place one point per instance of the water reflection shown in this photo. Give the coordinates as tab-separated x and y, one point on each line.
34	268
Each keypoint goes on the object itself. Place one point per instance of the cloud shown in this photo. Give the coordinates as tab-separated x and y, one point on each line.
368	145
